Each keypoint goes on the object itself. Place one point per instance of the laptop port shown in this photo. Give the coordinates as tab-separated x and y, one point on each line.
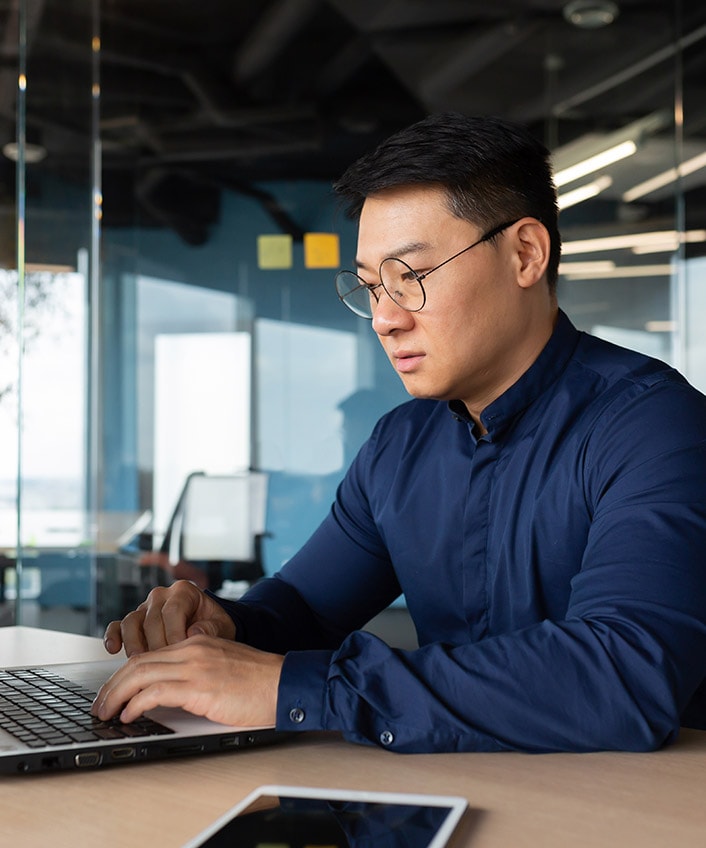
181	750
125	753
90	758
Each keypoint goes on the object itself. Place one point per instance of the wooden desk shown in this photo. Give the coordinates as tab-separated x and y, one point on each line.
519	800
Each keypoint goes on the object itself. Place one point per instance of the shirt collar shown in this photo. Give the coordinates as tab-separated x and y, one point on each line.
550	363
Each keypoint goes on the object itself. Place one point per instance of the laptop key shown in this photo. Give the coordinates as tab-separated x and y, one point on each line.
108	733
58	712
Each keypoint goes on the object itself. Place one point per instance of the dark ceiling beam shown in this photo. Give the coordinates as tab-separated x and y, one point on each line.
463	59
344	64
258	118
196	150
276	28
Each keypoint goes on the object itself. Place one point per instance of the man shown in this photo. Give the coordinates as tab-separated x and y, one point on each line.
541	503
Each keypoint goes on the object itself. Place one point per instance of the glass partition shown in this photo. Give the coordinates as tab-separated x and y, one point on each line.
177	315
48	536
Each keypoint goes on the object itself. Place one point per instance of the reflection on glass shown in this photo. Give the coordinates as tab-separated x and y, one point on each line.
298	822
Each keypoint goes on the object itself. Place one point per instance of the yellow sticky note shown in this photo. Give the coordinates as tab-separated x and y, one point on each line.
321	250
274	252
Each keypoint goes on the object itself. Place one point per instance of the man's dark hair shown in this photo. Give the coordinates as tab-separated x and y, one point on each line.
493	171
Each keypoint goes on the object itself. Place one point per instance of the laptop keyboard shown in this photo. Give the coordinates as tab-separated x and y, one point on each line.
41	708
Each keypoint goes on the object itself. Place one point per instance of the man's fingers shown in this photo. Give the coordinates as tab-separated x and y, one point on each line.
127	633
112	638
137	673
132	630
167	612
177	611
217	678
168	693
204	628
168	616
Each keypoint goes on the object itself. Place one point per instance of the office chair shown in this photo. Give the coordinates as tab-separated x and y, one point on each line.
216	530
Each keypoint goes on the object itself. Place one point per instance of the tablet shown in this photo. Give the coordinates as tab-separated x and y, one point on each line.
296	816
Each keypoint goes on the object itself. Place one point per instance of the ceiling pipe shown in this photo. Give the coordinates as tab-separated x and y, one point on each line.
629	73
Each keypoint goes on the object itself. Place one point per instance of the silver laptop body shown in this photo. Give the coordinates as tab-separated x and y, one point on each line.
74	739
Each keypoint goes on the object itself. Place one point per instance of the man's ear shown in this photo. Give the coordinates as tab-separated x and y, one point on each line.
532	245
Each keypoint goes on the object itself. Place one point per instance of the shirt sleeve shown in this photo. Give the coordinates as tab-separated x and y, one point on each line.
616	672
329	588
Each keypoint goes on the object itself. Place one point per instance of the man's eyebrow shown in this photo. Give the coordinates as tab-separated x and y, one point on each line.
399	253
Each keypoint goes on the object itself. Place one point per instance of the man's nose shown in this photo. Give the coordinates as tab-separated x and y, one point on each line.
389	316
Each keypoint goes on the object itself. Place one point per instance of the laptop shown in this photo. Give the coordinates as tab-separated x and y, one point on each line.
46	724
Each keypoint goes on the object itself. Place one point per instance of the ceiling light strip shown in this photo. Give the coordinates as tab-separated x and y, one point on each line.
595	162
584	192
597	266
666	177
628	271
626	242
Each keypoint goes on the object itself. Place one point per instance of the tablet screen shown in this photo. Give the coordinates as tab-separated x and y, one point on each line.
295	817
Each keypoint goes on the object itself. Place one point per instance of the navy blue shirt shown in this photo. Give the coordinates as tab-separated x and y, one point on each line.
554	568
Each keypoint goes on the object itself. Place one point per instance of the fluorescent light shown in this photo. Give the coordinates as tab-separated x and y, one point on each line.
600	265
594	151
669	245
632	240
595	162
584	192
666	177
628	271
661	326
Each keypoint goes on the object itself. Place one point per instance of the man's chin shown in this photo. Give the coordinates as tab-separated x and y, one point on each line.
421	392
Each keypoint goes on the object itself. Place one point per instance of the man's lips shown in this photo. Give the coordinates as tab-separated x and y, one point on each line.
406	361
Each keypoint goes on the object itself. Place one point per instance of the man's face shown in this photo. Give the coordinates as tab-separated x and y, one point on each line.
468	342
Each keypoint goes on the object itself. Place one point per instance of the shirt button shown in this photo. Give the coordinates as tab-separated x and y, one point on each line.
297	715
387	737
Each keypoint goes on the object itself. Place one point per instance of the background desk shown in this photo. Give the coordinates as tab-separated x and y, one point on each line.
538	801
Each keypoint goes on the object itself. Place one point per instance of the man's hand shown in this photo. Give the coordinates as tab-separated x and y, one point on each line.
222	680
166	617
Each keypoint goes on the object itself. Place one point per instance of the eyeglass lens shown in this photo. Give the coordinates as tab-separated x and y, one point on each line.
355	294
398	279
401	283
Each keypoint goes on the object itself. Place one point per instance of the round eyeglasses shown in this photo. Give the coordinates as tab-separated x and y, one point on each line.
401	282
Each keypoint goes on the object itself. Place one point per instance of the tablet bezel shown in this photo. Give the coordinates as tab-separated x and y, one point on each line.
456	806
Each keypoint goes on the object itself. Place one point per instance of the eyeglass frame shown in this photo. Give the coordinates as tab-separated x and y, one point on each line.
495	231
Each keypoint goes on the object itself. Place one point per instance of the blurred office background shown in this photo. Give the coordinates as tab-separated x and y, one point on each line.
168	241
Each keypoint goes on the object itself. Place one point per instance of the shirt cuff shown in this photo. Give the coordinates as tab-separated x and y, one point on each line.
303	687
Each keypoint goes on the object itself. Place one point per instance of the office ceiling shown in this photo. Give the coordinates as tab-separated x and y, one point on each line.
232	93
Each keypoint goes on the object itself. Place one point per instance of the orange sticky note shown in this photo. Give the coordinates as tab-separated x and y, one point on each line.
274	251
321	250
